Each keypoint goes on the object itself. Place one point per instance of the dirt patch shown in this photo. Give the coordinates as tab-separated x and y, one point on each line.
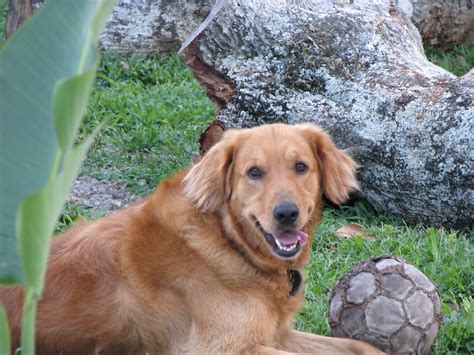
98	196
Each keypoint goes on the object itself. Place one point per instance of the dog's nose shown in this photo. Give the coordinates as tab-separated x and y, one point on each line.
286	213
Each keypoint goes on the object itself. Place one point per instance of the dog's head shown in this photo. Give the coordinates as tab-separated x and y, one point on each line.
267	183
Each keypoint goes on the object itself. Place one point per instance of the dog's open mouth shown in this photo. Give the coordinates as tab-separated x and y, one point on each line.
285	244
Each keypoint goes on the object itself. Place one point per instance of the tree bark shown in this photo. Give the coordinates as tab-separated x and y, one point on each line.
153	26
359	71
18	12
156	26
146	27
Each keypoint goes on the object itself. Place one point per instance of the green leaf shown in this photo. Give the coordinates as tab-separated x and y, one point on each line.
71	98
35	224
46	72
4	332
28	324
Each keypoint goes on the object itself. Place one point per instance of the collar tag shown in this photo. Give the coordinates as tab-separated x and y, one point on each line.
295	279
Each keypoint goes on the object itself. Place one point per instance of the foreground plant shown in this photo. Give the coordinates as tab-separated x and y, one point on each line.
47	69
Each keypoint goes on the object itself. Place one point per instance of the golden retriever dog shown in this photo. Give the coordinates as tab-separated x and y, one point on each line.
210	263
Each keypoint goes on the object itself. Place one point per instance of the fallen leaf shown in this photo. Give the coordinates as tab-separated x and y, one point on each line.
352	230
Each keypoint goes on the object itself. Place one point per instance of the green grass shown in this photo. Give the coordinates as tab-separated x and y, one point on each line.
75	212
152	110
458	60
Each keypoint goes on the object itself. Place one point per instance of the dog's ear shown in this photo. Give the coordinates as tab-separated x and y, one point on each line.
207	184
337	167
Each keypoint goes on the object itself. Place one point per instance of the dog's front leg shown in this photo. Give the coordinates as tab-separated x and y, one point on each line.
299	342
202	340
235	350
268	350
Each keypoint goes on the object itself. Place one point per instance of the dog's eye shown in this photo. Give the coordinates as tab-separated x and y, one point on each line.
301	167
255	173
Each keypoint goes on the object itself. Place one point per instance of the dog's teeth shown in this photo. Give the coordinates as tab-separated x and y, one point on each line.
288	248
278	243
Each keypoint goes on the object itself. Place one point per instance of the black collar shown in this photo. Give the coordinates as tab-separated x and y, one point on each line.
295	279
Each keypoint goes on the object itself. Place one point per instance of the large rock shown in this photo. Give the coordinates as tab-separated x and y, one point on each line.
151	26
359	71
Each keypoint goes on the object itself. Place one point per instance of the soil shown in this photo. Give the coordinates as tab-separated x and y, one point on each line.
99	197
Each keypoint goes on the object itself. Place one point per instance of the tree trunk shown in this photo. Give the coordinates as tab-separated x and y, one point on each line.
443	23
156	26
359	71
146	27
18	12
150	26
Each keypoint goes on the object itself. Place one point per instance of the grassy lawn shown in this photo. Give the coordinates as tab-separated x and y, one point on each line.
458	61
153	111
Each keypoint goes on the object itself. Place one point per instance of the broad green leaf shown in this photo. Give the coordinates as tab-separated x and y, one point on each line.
35	222
4	332
40	111
37	215
46	73
71	98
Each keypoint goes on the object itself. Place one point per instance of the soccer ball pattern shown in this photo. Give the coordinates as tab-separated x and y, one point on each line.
387	302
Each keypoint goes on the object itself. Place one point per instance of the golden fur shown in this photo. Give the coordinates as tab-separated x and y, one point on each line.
187	270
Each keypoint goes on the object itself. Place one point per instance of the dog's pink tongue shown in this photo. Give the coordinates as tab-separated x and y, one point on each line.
290	238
